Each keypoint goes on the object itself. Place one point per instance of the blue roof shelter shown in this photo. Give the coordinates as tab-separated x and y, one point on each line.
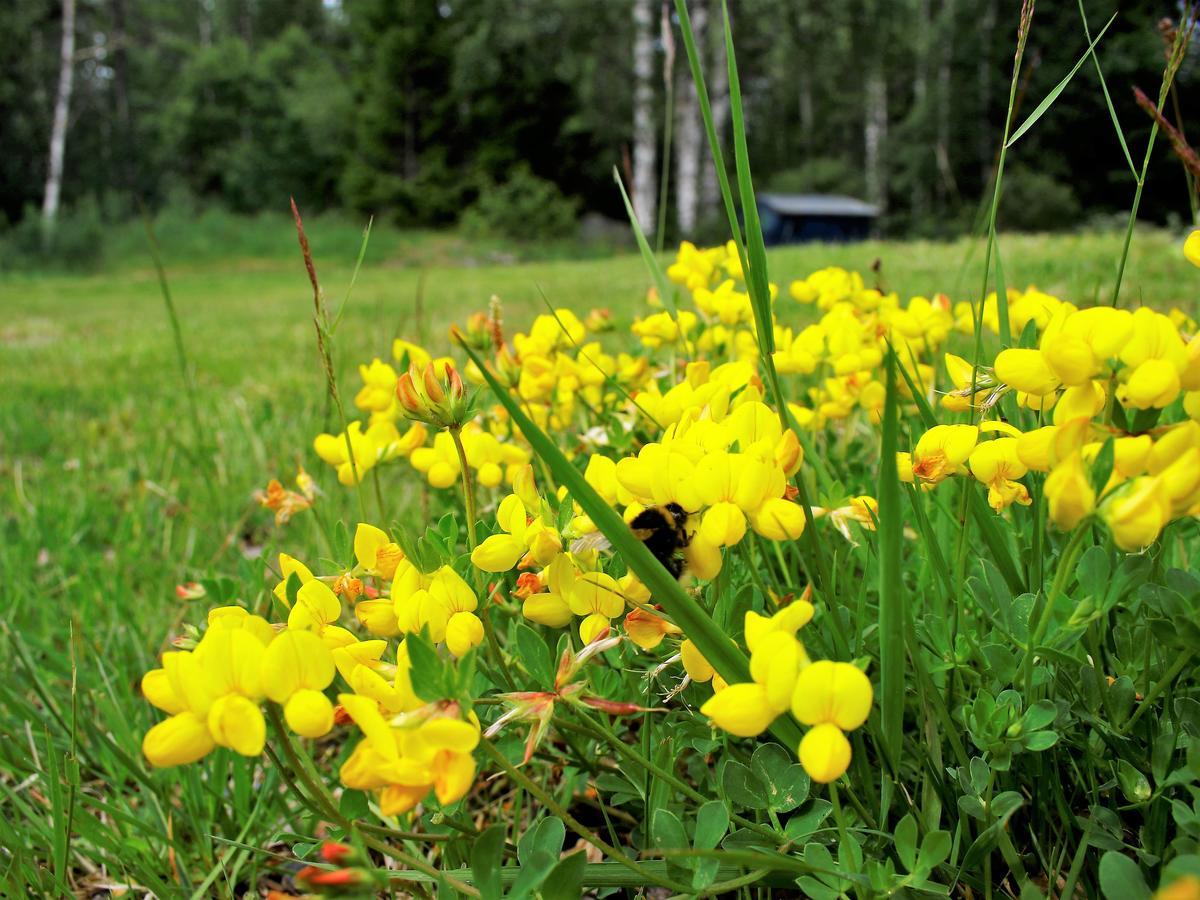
804	218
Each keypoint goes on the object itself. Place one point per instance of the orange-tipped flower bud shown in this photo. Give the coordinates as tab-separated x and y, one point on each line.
407	394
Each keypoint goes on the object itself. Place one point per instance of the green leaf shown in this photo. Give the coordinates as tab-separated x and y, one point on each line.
293	588
741	786
1121	879
534	655
800	826
667	831
905	837
890	529
1040	740
1041	108
1093	571
1038	716
428	671
547	835
1102	466
665	292
712	821
786	781
565	881
535	868
935	850
486	857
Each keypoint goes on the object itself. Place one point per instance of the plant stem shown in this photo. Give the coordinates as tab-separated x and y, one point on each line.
1161	685
614	853
467	483
1066	565
601	732
469	505
323	803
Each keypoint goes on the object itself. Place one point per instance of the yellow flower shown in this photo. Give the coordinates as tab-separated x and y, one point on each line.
1191	248
648	630
1070	493
1026	370
297	667
832	692
597	597
287	566
741	709
551	607
997	464
1153	384
375	551
1138	513
378	393
825	753
942	452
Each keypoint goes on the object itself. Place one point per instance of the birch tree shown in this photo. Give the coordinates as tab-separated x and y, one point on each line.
689	138
718	97
645	146
62	110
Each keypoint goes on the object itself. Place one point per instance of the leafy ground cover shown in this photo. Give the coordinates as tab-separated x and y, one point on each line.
116	489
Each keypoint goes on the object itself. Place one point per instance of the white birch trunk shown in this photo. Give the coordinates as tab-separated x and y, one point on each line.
875	126
689	139
945	184
920	183
62	109
718	98
645	148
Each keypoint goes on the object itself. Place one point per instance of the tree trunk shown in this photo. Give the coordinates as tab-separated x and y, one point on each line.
945	184
689	139
645	148
875	125
919	198
126	144
62	109
984	148
718	98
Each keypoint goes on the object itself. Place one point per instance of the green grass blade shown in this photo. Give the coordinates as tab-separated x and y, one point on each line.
1112	112
757	280
714	143
362	253
665	292
1049	99
891	587
714	643
753	255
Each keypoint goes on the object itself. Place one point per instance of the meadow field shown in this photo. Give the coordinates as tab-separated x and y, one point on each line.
115	488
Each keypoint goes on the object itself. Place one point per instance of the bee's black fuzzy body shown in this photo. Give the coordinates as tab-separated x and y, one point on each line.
663	529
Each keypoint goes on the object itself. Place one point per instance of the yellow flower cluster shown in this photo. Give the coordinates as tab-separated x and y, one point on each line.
214	691
1110	402
831	698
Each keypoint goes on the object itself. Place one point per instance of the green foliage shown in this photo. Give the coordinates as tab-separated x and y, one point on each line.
522	208
823	175
1035	200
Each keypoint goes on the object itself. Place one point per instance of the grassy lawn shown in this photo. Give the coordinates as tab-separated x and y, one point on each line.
112	491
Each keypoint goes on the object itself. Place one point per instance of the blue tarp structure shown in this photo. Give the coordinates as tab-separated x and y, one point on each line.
801	218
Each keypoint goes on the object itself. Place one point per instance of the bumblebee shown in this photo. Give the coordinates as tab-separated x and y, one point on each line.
663	529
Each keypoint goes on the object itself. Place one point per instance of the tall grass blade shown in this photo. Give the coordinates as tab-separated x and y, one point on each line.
891	588
713	642
753	256
1049	99
665	292
1112	112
